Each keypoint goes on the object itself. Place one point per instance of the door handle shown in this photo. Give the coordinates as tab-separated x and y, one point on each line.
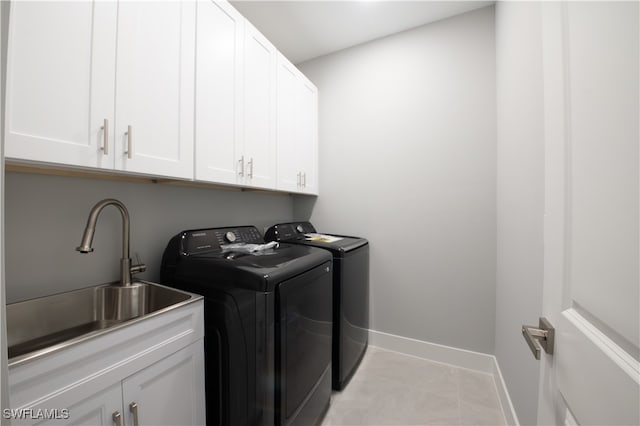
250	164
539	338
117	418
105	135
133	407
241	166
129	150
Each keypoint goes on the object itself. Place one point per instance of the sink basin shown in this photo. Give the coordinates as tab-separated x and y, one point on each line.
39	326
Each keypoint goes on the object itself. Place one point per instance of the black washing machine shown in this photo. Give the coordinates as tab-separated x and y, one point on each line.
268	324
350	292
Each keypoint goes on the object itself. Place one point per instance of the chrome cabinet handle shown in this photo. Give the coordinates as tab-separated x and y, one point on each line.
133	407
299	179
241	168
250	164
304	180
117	418
105	136
129	150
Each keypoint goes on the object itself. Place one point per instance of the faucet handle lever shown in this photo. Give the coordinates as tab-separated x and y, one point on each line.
139	267
135	269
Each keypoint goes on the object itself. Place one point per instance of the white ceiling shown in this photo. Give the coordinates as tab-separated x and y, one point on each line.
303	30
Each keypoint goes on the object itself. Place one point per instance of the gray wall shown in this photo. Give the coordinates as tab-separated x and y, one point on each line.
408	160
520	197
45	217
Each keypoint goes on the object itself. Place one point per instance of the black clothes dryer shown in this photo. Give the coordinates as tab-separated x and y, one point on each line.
267	324
350	292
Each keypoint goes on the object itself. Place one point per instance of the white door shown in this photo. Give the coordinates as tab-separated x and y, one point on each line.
591	283
259	109
155	87
289	168
218	132
169	392
60	83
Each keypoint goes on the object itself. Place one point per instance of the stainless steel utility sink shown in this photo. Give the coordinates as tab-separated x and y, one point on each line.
39	326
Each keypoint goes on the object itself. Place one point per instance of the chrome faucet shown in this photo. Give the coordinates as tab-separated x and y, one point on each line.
85	245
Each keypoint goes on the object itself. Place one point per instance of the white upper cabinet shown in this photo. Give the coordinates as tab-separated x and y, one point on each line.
307	131
218	128
259	106
235	100
155	87
186	89
289	178
63	69
297	130
60	82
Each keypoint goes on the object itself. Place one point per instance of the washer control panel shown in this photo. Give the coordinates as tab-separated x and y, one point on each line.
204	240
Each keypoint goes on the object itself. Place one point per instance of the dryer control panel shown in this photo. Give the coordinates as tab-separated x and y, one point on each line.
288	231
205	240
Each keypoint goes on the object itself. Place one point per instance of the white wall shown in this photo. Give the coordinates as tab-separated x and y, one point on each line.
45	217
408	160
520	197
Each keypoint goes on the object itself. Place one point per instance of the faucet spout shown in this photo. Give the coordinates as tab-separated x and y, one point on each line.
89	231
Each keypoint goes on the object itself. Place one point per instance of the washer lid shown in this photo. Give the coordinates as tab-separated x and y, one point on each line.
261	271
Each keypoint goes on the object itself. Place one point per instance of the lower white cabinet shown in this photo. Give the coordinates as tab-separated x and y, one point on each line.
96	409
150	373
169	392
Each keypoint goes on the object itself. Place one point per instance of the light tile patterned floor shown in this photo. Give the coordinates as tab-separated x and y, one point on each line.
391	388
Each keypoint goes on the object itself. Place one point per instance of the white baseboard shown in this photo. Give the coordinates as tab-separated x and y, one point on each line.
505	400
449	355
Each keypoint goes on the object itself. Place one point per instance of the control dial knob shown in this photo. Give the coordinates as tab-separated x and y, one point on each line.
230	236
300	229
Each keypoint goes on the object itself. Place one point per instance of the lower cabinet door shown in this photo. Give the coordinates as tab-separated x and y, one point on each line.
70	408
101	409
169	392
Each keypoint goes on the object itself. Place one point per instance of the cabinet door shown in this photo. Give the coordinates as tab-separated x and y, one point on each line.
72	407
169	392
259	109
155	87
218	131
60	82
307	134
289	167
